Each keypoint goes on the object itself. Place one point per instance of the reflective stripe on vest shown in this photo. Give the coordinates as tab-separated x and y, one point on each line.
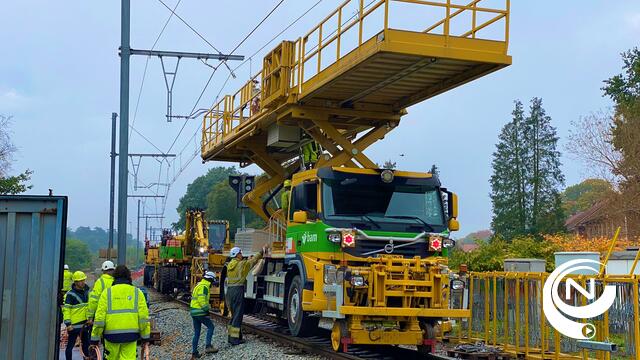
122	311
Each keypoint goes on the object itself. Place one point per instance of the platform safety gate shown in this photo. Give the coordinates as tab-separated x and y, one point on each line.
506	311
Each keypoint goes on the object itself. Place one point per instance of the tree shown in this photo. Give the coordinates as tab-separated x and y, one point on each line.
624	90
221	204
544	175
77	255
580	197
526	175
10	185
591	141
508	178
13	185
198	190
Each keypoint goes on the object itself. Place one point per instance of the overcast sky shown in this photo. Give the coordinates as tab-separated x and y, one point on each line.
59	78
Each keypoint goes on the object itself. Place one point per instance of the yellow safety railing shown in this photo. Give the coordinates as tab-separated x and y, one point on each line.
283	73
506	311
336	20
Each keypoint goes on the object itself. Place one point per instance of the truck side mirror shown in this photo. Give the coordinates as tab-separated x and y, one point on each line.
300	217
452	202
454	225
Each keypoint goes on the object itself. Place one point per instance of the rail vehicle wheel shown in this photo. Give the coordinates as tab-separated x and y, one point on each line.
338	331
300	323
428	333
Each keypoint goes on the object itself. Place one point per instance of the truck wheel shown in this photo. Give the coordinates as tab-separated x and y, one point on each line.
428	333
338	332
165	280
300	323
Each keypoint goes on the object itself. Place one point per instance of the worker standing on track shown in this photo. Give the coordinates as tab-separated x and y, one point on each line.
104	282
67	279
122	317
200	314
284	198
74	312
237	271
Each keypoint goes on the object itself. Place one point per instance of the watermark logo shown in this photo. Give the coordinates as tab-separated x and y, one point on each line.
556	310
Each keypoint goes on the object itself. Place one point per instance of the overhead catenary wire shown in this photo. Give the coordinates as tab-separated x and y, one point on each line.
215	68
295	21
146	64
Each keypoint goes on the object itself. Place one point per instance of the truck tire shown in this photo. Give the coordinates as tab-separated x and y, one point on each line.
300	323
165	280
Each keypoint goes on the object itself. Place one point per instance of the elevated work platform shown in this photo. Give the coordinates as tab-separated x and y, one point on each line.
347	82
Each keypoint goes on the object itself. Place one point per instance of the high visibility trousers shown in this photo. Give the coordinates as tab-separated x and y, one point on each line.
235	300
120	351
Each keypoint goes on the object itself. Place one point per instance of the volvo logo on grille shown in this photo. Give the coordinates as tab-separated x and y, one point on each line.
388	248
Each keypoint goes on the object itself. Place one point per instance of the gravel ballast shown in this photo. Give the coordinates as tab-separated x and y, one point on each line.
174	322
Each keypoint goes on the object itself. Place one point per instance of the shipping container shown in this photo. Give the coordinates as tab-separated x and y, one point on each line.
32	239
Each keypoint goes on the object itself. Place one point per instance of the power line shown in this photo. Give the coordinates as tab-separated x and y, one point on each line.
146	64
257	26
216	68
190	27
236	68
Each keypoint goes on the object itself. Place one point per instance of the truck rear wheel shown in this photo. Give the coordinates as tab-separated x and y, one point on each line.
300	323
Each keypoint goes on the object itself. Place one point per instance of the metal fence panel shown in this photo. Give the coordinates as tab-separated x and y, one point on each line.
32	233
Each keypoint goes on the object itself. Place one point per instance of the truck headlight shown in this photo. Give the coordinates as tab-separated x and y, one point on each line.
457	284
201	250
357	280
329	274
448	243
335	237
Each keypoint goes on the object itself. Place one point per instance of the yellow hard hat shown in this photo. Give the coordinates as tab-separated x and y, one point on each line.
287	183
78	276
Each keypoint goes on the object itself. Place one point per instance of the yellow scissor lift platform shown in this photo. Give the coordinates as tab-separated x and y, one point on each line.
347	82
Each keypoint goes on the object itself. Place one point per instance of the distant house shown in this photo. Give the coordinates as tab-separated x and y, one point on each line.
600	220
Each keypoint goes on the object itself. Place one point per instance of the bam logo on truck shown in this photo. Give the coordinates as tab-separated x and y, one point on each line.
309	238
556	310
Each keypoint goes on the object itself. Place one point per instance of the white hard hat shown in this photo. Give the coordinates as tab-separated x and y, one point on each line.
108	265
66	267
209	275
235	251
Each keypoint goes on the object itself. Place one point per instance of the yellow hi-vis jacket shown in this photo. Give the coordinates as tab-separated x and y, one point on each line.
237	270
74	310
67	281
103	282
122	315
200	298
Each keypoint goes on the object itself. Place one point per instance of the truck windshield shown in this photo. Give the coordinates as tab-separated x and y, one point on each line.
377	202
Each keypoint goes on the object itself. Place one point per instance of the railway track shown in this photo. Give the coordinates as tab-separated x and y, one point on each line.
319	344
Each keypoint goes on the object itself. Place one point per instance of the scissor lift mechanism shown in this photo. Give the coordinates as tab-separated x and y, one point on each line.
346	94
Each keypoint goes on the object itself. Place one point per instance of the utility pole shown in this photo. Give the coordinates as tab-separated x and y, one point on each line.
138	236
112	184
125	54
124	130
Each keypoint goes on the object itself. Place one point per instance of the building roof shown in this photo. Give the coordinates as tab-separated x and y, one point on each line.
595	212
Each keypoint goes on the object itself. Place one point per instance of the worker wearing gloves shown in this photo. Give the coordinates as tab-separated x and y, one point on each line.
237	271
122	317
200	314
284	198
67	279
104	282
74	312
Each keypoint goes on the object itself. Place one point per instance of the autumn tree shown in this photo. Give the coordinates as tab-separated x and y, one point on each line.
526	179
591	142
624	90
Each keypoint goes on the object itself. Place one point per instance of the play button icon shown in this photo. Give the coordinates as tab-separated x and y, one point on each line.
589	331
